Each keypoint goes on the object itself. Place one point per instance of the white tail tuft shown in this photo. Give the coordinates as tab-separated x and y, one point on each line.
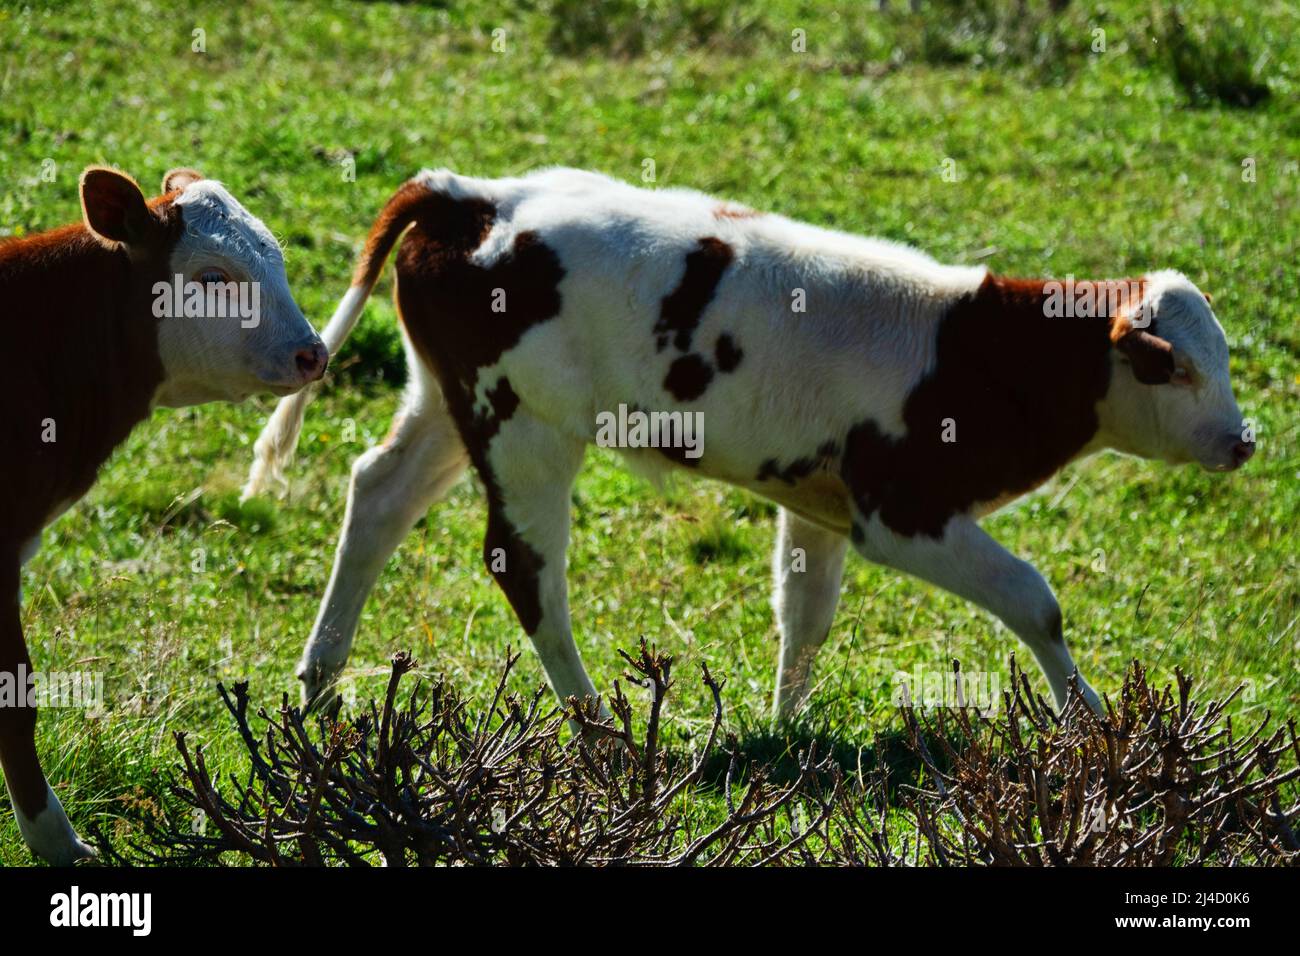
274	449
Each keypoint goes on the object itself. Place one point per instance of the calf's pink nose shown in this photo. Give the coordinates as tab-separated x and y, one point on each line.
311	361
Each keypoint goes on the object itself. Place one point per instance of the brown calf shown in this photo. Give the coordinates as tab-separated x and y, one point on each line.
89	358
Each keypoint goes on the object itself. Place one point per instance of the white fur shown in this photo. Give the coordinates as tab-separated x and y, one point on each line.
50	834
392	485
274	448
866	339
206	358
807	565
1199	422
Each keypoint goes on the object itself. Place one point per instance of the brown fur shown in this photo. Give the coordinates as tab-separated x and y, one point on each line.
727	354
445	302
729	211
800	468
398	213
689	374
688	377
1151	356
78	319
681	310
1022	389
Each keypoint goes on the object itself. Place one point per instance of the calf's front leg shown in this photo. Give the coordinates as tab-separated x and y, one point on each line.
41	819
970	564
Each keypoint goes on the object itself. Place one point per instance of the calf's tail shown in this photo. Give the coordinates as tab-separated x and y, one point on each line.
273	451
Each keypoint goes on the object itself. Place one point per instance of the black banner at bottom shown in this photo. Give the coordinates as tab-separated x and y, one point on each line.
139	905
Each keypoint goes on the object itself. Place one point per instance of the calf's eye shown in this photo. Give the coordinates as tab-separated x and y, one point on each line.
212	275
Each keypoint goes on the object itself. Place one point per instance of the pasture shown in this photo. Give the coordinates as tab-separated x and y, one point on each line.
977	136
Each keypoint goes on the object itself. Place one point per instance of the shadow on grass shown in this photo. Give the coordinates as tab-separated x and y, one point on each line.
776	749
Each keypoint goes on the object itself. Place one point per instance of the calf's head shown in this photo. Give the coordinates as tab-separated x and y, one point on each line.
227	323
1170	397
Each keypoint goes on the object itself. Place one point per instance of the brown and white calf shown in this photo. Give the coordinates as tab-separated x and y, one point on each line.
879	398
97	337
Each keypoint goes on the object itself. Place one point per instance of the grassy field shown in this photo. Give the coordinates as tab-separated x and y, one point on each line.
1160	151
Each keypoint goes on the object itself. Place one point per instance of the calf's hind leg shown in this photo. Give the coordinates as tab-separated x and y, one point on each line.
393	484
528	469
807	567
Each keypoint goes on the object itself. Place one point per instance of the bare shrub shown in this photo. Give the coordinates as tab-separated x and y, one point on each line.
424	779
1161	780
425	782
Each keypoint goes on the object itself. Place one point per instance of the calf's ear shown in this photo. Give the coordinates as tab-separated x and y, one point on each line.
1152	357
176	179
113	206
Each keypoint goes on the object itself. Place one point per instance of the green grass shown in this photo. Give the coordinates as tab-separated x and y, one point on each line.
1068	161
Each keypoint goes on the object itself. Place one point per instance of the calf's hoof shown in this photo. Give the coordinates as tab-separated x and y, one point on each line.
51	837
1090	697
319	685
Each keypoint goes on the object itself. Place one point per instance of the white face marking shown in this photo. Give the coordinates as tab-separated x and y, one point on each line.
208	357
1195	417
